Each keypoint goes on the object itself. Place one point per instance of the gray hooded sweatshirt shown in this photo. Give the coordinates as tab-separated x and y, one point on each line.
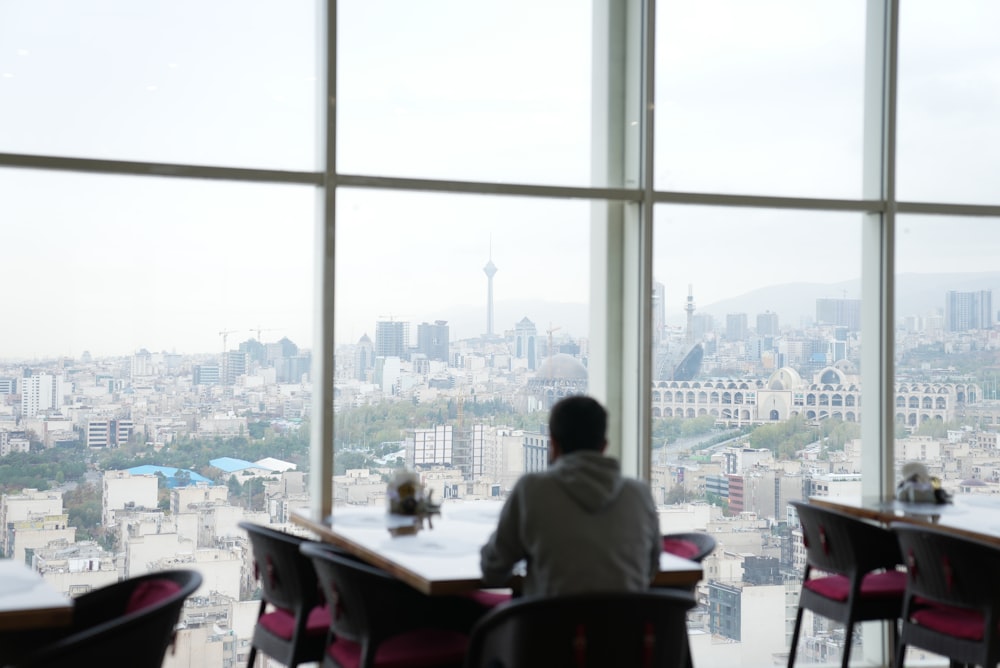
580	526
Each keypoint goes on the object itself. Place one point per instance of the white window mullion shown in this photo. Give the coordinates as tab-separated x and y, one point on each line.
618	364
322	372
877	276
877	248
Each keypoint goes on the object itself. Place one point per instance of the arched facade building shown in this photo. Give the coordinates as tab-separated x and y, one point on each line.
835	392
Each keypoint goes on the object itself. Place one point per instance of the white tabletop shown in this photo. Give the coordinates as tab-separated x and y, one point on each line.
443	555
975	516
29	602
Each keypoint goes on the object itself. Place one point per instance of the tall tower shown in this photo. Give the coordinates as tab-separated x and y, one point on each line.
490	270
689	310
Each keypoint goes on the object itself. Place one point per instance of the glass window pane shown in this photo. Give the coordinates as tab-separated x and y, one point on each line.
157	333
219	83
121	263
946	381
756	402
761	98
447	89
945	338
948	139
460	319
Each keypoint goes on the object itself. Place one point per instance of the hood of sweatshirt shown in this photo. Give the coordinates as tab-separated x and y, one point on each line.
591	479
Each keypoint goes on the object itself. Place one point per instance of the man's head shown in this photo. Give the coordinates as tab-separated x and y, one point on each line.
577	423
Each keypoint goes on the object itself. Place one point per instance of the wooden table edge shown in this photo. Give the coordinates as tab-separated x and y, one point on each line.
38	618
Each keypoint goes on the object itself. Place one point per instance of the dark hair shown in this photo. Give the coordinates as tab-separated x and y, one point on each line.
578	423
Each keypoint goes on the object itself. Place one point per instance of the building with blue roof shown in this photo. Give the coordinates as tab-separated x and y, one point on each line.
243	469
171	474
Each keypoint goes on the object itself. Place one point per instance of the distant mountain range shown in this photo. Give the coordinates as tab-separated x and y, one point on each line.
795	304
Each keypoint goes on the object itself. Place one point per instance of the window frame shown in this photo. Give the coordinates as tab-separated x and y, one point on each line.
621	227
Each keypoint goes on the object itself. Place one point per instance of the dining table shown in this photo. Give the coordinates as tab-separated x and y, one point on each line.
975	516
439	553
28	602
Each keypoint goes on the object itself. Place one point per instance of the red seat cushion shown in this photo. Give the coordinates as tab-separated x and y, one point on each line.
282	622
682	548
423	648
952	621
150	592
488	599
838	587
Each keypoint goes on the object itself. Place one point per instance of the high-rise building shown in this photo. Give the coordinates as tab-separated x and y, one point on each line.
41	392
525	342
109	433
425	447
468	451
701	325
206	374
659	311
142	363
968	310
255	350
432	340
293	369
392	338
736	326
839	312
364	358
767	324
236	364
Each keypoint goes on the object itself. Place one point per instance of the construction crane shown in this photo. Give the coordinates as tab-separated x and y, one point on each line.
549	332
225	336
260	329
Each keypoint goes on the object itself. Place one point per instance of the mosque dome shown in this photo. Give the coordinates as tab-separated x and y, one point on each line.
847	367
831	376
784	378
562	367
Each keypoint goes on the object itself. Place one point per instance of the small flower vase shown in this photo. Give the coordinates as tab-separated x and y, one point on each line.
405	494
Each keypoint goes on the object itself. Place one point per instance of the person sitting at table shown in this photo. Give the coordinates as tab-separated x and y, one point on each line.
580	525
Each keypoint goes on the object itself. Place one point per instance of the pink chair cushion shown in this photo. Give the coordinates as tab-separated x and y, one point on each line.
282	622
423	648
952	621
681	548
150	592
875	585
488	599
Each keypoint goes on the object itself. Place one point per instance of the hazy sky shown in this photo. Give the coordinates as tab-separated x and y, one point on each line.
758	98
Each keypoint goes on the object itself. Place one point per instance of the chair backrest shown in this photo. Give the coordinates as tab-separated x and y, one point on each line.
366	603
950	569
129	623
836	542
600	629
287	578
693	545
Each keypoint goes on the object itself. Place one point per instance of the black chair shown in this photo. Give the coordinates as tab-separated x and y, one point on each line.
129	623
636	629
292	621
378	620
952	603
850	575
693	545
